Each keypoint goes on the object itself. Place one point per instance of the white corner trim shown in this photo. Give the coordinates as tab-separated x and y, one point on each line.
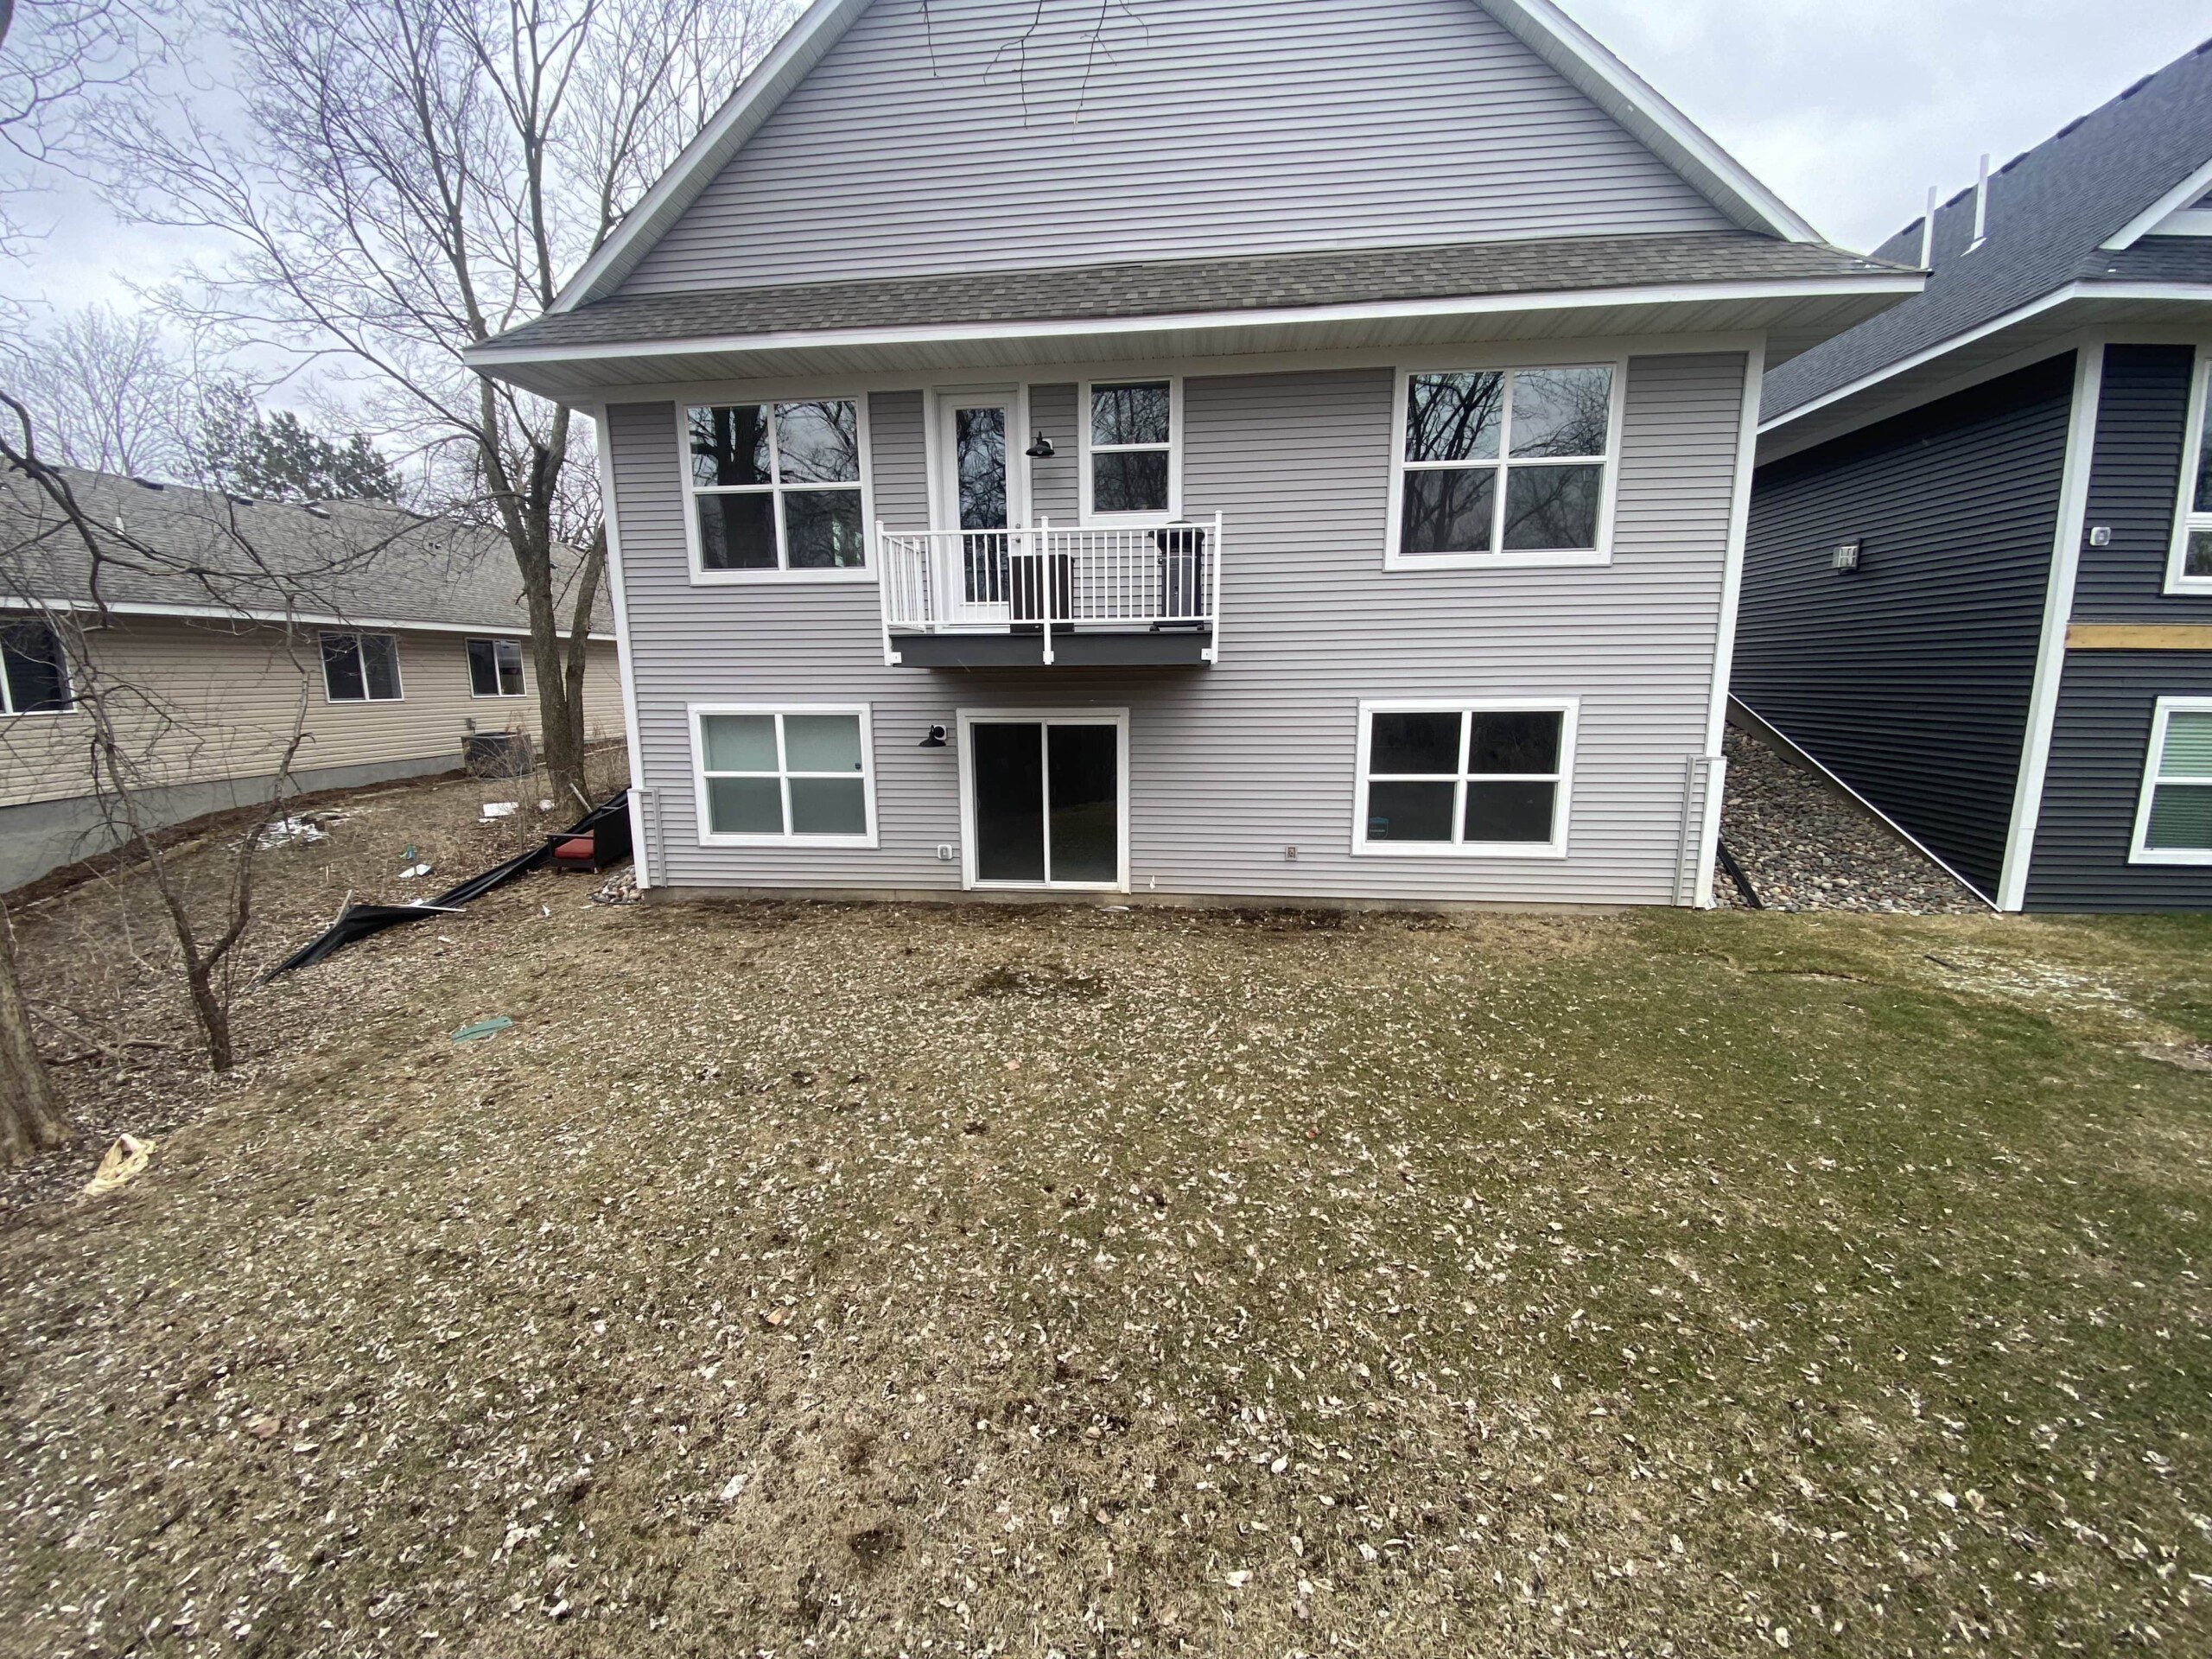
2057	611
1724	644
625	662
2178	581
756	98
2162	717
493	355
2175	200
1638	106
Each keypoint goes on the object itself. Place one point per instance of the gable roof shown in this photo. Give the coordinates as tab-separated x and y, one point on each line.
2070	214
339	562
1539	24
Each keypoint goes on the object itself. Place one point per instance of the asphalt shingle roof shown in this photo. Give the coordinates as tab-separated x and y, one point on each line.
1168	288
348	559
2049	210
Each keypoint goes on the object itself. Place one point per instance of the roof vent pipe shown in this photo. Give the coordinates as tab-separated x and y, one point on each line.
1927	234
1980	206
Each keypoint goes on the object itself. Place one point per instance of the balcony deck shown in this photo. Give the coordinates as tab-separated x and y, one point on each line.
1048	596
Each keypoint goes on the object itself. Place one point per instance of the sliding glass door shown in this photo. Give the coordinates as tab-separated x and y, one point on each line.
1044	799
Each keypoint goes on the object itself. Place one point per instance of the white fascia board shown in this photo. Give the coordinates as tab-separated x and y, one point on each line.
1638	106
2199	292
486	357
2174	202
756	98
284	619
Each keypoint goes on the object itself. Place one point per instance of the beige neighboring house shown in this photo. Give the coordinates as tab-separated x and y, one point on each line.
391	639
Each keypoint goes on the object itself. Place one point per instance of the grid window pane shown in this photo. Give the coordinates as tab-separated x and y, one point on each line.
1515	742
1509	812
37	678
1129	481
745	806
729	446
829	806
381	667
739	742
509	668
484	668
2198	560
1561	412
2181	818
822	742
1453	416
1553	507
824	530
819	443
1409	811
1421	743
738	532
2188	749
1448	511
1136	414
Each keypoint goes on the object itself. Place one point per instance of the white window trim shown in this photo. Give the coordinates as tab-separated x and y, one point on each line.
8	709
1568	709
698	712
495	641
1504	559
1094	519
1117	718
2137	853
701	576
398	674
2178	581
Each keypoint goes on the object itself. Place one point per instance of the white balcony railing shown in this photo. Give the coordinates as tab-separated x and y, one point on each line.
1047	581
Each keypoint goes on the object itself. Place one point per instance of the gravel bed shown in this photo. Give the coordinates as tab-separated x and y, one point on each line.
1805	847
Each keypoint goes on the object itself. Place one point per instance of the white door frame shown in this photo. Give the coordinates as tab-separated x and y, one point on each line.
1118	719
940	458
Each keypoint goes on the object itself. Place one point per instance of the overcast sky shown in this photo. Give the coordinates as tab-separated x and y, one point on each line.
1849	109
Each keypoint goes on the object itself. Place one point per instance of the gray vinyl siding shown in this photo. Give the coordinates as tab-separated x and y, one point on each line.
2099	742
2135	486
1212	127
1910	679
1056	490
1232	764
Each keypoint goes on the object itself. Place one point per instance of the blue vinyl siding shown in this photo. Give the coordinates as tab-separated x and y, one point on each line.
1910	678
2135	489
2098	747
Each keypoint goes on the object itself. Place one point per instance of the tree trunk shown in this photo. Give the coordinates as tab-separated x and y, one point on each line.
31	1119
213	1015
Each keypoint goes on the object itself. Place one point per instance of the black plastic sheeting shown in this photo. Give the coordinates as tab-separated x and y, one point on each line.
609	821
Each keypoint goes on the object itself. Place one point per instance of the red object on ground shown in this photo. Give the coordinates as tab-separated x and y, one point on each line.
578	852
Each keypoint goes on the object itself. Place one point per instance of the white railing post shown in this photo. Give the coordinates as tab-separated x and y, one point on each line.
1213	597
886	582
1040	551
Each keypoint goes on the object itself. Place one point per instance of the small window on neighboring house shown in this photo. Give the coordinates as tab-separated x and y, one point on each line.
34	673
1469	778
2190	569
1133	450
1504	466
776	488
360	667
495	668
799	774
2173	825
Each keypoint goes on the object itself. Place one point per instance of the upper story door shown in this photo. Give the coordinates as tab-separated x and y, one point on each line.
977	494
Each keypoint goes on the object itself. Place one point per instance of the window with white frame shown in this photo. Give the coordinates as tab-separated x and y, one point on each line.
34	673
495	668
1133	450
1510	465
777	487
799	774
2190	569
2173	825
1439	776
361	668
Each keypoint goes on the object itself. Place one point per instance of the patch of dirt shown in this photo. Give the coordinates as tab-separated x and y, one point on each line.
1039	980
2189	1057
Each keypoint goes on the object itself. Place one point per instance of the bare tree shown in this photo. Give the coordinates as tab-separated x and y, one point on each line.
411	178
110	392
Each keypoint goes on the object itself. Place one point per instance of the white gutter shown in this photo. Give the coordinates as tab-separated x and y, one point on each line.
1876	283
297	619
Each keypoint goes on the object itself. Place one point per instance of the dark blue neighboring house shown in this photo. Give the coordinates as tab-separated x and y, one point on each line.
1978	580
